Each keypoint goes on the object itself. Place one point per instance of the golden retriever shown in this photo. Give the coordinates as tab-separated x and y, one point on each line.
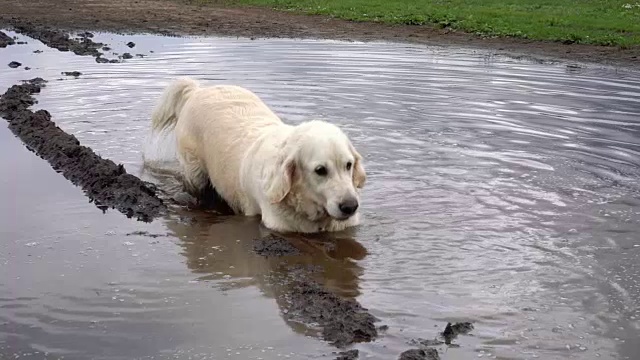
304	178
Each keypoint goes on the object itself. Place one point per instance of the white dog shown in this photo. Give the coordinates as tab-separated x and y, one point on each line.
303	178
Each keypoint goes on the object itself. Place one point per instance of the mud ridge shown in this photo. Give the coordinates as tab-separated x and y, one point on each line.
81	45
106	183
343	321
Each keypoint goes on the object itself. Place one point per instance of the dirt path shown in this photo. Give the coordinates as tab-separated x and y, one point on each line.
181	18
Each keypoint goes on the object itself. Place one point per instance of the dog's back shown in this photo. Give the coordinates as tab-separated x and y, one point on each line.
214	126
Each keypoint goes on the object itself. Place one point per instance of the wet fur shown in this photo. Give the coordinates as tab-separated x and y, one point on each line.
259	165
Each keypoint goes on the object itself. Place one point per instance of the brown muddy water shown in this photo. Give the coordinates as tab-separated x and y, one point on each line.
503	192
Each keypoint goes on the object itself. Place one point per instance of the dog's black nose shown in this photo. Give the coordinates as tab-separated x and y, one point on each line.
348	207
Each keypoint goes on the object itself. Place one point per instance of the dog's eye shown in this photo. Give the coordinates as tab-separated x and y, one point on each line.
321	170
349	166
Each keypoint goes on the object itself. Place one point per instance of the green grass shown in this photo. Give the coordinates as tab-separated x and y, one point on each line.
600	22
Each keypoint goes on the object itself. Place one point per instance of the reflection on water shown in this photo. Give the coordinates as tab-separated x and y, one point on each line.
501	192
217	250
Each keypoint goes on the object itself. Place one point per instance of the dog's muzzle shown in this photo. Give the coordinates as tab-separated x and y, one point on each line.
348	207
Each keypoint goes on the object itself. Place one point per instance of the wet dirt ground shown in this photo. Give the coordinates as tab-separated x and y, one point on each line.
502	192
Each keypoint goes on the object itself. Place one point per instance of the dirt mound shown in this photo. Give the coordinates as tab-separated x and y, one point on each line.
107	184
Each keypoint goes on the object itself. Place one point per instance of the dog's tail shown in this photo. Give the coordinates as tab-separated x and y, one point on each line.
171	102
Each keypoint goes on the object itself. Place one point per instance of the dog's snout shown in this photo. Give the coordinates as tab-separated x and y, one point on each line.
349	206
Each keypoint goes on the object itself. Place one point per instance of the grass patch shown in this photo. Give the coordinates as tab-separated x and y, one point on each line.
599	22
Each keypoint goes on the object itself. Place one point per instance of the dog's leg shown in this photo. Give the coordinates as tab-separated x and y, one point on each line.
273	222
210	200
194	176
196	182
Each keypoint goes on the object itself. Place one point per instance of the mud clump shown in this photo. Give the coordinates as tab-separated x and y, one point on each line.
419	354
146	234
127	56
101	60
426	342
107	184
451	331
348	355
131	44
272	245
72	73
14	64
5	40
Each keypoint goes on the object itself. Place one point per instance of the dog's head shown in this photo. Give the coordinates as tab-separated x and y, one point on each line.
319	172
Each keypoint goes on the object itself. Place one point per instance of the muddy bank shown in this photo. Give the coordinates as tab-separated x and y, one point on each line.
5	40
81	45
106	183
187	17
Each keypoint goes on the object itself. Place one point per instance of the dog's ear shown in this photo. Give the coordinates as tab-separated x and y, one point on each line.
359	176
281	178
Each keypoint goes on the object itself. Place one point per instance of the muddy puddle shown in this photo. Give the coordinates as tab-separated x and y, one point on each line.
501	192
